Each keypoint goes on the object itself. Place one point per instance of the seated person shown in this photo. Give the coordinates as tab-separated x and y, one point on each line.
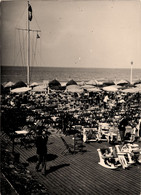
108	156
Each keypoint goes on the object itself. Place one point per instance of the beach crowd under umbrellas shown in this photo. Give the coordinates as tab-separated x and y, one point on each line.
63	110
87	109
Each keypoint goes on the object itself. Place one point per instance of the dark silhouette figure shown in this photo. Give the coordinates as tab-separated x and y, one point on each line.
41	145
122	128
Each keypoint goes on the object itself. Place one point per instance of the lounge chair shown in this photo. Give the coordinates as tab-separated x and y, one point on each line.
130	135
107	160
125	157
103	132
90	134
134	150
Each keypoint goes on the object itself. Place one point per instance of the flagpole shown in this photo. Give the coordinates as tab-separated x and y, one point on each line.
131	74
28	46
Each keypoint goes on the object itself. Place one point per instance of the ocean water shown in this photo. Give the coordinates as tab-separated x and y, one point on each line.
38	74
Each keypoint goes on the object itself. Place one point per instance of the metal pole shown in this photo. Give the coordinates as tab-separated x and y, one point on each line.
28	47
131	73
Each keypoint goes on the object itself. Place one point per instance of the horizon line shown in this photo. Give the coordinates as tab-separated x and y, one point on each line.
71	67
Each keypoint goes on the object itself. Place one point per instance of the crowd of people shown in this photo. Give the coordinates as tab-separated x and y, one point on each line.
38	111
64	110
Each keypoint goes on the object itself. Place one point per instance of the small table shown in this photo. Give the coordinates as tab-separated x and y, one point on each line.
19	134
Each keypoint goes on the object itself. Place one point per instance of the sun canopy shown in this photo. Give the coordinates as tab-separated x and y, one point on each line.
99	82
40	88
81	83
91	82
108	83
112	88
63	84
9	84
137	82
138	85
87	86
71	82
20	90
94	89
123	82
54	84
19	85
132	90
34	84
74	89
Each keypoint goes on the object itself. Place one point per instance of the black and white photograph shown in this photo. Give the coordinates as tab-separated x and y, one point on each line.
70	97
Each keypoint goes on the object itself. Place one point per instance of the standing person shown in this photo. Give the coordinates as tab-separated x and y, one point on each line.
105	101
41	145
122	128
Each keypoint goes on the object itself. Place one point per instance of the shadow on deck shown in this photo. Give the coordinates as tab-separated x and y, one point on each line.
80	173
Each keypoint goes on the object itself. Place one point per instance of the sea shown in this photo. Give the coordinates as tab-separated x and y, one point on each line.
41	74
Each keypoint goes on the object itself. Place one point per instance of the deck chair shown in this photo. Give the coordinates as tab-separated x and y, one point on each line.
112	137
129	135
104	161
134	150
124	157
90	134
103	132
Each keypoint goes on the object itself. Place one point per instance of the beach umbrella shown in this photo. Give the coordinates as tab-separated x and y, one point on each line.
20	90
108	83
87	86
63	84
74	89
71	82
123	82
40	88
137	82
9	84
112	88
99	82
54	84
138	85
94	89
81	83
132	90
91	82
19	84
34	84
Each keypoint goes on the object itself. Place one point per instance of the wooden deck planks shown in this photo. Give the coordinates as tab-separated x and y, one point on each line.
80	173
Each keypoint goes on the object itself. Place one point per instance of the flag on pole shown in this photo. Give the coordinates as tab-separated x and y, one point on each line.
29	12
38	36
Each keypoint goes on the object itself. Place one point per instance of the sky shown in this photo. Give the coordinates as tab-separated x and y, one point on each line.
76	33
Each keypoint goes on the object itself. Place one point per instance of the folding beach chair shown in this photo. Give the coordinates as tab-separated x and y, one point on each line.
134	151
90	134
108	160
129	135
103	132
124	157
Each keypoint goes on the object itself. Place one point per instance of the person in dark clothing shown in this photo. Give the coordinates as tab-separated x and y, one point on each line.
41	145
122	128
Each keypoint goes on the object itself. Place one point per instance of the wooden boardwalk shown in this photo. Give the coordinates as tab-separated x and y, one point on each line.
80	173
